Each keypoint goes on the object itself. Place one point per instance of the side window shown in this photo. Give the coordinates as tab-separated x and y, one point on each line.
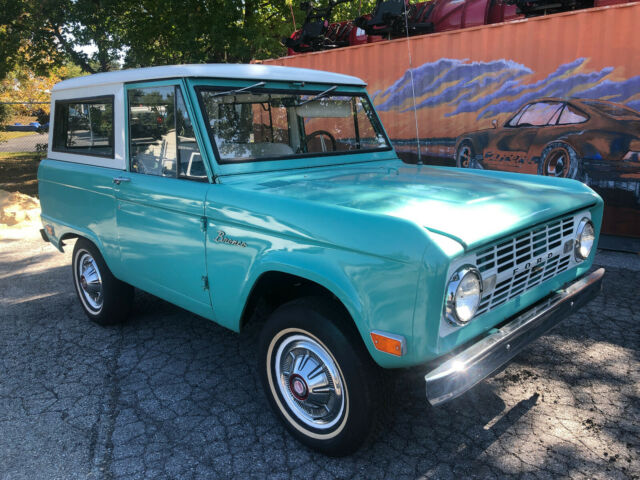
161	137
554	119
84	127
539	114
190	164
570	115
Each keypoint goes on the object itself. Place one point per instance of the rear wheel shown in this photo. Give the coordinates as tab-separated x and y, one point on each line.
105	299
318	376
559	159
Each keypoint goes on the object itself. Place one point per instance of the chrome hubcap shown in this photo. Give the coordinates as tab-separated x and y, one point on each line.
90	281
557	165
310	381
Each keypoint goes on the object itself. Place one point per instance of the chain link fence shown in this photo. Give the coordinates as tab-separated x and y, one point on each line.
24	133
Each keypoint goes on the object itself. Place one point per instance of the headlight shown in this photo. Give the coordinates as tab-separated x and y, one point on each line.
585	238
464	293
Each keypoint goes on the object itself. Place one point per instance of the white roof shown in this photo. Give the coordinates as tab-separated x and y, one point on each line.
215	70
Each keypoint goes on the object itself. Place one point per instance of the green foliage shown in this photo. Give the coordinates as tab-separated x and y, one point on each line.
102	35
10	35
197	31
4	113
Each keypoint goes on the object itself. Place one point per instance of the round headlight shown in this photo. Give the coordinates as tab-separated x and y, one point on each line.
585	238
464	293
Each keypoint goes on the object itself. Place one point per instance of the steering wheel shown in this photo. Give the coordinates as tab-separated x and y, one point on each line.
322	134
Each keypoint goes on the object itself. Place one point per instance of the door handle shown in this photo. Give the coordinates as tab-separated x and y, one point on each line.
119	180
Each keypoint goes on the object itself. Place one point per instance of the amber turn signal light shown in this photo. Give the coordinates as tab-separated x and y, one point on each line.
389	343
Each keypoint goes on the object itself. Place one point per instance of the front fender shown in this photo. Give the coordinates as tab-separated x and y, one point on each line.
379	293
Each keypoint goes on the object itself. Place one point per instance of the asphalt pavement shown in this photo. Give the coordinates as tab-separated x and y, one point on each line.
171	395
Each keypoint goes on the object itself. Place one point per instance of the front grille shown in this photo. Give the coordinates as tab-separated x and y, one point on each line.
522	261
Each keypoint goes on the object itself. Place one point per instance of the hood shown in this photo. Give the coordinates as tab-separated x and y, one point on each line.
470	206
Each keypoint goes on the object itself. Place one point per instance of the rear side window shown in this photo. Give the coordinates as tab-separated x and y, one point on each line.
84	127
571	116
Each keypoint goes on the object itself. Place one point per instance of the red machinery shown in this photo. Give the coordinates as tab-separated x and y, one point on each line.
457	14
399	18
533	8
317	33
388	21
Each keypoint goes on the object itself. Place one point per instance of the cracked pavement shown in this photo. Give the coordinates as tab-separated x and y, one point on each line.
171	395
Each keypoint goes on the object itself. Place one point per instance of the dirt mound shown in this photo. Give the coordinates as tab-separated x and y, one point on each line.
18	210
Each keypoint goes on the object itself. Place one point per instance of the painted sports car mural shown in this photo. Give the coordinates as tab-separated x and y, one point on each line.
577	138
576	122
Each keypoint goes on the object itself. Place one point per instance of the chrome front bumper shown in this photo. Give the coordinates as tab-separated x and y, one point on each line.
475	363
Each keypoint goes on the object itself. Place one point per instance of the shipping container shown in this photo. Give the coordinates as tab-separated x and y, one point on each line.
552	95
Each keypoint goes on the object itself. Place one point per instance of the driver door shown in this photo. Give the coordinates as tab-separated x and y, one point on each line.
160	200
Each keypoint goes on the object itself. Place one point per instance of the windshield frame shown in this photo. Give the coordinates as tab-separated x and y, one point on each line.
296	160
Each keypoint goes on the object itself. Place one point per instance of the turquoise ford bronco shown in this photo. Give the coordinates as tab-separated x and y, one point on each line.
260	193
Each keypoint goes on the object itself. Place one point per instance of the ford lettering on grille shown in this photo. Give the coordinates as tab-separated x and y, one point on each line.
536	264
522	261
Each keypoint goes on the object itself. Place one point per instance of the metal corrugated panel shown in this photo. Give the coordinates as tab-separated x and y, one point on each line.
467	80
603	37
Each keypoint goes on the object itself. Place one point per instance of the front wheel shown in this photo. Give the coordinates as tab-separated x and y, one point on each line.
465	155
318	377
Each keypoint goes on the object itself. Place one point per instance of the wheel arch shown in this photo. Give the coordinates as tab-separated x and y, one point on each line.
468	138
67	232
64	232
278	284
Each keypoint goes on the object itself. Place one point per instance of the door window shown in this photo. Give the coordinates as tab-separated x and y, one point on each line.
161	137
539	114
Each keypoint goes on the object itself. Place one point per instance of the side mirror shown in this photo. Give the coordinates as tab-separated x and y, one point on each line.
494	122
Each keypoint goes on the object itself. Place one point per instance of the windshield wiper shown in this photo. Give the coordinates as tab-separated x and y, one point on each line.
238	90
319	96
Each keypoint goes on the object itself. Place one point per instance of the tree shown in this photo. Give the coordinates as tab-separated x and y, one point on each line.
23	85
11	36
46	33
97	35
196	31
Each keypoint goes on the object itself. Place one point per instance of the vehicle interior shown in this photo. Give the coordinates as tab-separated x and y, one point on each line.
255	126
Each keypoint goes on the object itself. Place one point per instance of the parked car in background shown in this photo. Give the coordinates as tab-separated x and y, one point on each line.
258	193
574	138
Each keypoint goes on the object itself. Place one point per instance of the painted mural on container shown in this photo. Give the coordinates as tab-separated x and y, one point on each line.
576	122
556	95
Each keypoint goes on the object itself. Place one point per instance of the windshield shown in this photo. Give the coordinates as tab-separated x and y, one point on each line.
254	126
